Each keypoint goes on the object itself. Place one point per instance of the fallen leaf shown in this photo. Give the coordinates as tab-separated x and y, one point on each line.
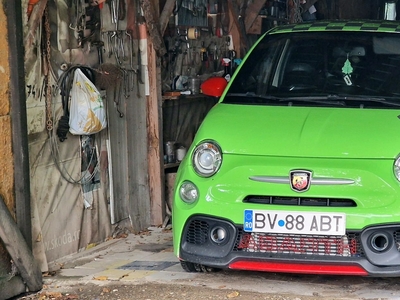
122	236
101	278
233	294
54	294
91	246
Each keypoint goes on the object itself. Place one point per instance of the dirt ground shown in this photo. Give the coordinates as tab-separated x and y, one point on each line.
154	291
78	279
225	285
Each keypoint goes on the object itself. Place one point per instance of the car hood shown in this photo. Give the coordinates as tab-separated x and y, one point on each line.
303	131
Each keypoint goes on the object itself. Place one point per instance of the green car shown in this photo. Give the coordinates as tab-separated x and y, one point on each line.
297	168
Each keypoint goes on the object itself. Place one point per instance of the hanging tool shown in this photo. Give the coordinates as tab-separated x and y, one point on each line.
99	45
131	71
134	21
213	56
232	57
114	5
109	43
204	58
121	10
141	25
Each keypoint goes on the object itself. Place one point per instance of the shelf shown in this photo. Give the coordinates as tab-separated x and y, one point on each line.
182	96
171	165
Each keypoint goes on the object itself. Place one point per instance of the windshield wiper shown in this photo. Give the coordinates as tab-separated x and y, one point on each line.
249	98
324	100
314	99
254	95
364	98
331	99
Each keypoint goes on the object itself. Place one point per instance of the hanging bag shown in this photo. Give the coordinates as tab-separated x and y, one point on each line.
87	113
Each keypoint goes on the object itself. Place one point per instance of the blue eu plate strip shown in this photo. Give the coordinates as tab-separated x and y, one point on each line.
248	220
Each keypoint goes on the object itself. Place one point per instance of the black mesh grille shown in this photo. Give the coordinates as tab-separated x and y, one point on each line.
300	201
396	236
197	232
348	245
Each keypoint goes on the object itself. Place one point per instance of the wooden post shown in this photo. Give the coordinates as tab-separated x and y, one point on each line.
252	13
153	27
239	22
166	14
18	249
154	134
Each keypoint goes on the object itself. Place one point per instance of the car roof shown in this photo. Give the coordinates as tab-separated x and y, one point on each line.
339	25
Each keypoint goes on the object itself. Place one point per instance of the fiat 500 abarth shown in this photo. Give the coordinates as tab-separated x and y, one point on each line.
296	168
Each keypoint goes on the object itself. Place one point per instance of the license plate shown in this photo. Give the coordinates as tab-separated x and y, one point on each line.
294	222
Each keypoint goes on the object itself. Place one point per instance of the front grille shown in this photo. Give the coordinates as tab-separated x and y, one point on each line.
270	243
396	236
300	201
197	232
349	245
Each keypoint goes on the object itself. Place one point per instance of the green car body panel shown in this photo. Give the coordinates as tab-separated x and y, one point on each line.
348	148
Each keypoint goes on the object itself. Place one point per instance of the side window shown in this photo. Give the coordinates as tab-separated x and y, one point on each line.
256	74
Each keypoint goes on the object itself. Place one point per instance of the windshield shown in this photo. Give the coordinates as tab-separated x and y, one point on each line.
347	69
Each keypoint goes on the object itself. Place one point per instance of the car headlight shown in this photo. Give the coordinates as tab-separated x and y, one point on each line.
396	168
207	158
188	192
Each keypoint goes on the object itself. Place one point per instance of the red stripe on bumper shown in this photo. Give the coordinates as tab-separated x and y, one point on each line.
298	268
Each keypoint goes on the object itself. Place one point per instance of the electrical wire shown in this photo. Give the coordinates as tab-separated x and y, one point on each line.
55	151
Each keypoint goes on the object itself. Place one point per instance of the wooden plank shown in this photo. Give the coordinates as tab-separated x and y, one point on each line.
238	21
17	99
252	13
154	129
256	26
153	27
234	32
166	14
18	249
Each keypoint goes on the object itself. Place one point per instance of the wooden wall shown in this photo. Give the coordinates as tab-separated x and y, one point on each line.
6	156
345	9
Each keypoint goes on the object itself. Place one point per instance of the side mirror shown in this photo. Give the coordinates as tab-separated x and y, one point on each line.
214	86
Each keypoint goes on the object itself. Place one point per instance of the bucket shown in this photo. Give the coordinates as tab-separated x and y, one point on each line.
180	153
169	152
194	85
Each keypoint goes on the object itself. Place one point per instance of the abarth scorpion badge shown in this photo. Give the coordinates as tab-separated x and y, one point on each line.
300	180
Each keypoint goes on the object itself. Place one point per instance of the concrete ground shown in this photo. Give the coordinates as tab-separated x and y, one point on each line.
146	261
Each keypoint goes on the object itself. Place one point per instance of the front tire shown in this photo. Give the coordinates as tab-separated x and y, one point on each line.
197	268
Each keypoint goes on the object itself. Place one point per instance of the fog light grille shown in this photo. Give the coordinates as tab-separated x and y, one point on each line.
198	232
396	236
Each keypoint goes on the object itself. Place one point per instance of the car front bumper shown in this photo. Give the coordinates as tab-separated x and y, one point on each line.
215	242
